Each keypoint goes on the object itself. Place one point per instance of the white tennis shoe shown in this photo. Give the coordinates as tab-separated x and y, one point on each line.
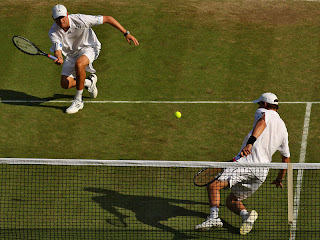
93	90
76	105
247	224
209	223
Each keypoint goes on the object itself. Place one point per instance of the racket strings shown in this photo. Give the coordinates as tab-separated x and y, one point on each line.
207	176
25	46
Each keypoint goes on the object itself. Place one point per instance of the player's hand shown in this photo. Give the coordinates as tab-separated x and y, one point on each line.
277	183
246	150
58	61
130	38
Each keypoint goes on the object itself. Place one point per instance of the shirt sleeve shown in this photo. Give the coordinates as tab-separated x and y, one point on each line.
284	147
267	117
258	114
90	20
55	40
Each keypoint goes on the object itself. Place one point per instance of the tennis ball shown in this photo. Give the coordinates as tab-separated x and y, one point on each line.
178	114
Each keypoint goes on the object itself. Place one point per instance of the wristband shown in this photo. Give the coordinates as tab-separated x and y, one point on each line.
127	32
251	140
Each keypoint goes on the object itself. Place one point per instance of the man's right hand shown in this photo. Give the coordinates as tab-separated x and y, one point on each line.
58	54
246	150
58	61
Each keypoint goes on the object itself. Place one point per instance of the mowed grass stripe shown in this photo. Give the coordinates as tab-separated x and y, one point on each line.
144	102
190	50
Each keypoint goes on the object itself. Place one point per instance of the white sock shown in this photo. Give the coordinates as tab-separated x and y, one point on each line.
244	214
87	83
79	95
214	212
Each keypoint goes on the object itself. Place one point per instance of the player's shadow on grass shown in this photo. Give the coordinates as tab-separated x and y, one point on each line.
148	210
12	97
230	228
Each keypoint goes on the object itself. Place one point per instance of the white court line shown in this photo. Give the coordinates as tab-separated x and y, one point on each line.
145	102
302	150
302	159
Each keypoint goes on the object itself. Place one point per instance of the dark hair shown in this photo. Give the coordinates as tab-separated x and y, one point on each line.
272	106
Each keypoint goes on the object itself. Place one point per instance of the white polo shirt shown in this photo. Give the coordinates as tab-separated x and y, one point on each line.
78	36
273	138
257	115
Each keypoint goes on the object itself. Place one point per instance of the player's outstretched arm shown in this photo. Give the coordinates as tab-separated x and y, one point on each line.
282	173
257	131
113	22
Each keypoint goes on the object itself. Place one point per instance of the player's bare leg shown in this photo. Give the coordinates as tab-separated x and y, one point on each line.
81	65
213	219
248	218
90	84
234	205
67	82
77	103
214	192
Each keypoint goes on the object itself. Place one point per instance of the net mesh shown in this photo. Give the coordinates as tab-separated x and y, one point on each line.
66	199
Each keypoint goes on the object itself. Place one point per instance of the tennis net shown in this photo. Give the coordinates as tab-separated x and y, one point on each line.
123	199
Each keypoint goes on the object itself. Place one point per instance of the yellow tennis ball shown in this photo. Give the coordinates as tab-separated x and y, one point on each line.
178	114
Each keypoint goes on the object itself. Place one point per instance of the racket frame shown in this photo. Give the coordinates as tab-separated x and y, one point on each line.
39	51
216	177
218	174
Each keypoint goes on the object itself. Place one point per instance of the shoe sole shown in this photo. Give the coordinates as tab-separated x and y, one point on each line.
248	225
207	228
203	229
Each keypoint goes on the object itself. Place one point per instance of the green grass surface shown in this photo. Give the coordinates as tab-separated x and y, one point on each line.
194	50
77	202
96	202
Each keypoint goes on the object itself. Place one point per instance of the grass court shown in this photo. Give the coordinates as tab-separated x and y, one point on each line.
206	59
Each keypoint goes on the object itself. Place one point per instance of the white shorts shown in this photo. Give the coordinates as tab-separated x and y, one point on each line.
242	182
68	68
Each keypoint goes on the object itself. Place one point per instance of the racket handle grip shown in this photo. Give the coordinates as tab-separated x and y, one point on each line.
236	158
52	57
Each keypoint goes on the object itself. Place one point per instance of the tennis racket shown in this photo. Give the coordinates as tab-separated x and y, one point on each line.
24	45
209	175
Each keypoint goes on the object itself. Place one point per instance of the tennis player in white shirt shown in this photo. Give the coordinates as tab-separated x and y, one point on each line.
72	36
257	115
268	136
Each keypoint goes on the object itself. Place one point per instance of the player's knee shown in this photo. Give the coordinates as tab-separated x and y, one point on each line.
65	83
80	65
231	200
230	204
218	185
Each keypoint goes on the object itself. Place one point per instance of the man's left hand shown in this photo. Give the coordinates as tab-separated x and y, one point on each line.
277	183
130	38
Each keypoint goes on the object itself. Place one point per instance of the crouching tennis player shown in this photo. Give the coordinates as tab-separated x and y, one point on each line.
72	36
268	135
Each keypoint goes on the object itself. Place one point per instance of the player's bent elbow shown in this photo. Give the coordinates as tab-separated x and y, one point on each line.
107	19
